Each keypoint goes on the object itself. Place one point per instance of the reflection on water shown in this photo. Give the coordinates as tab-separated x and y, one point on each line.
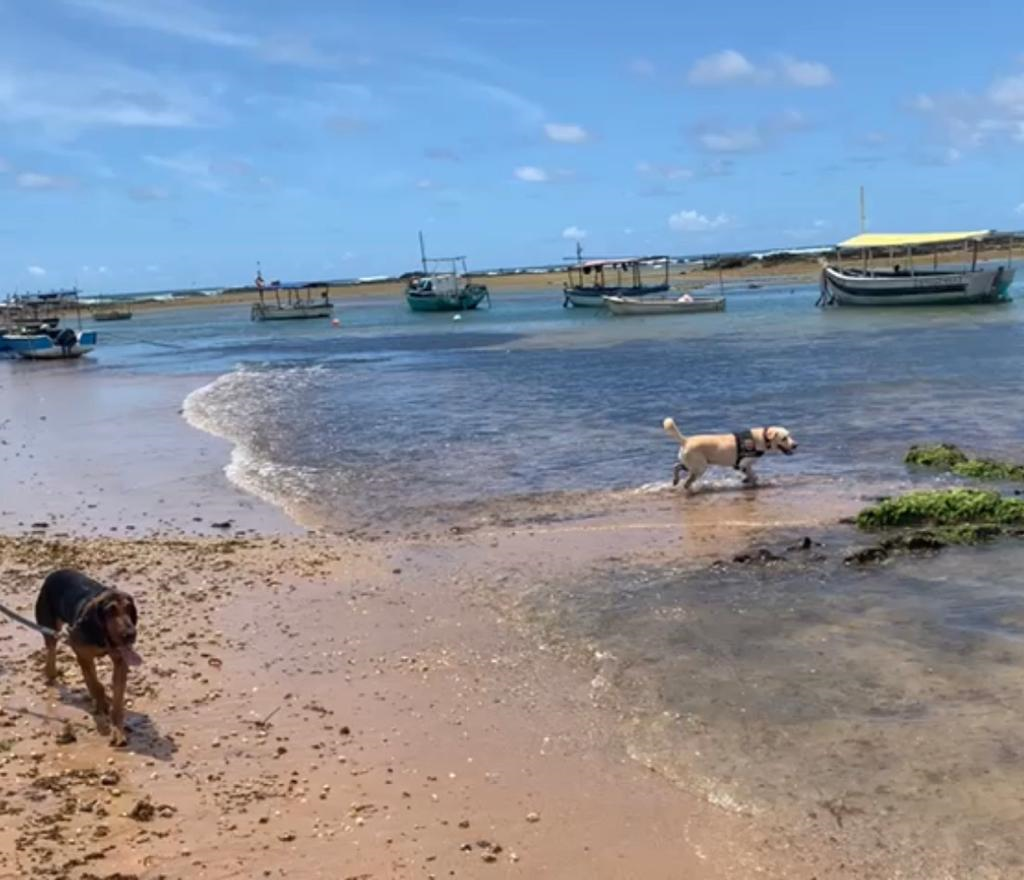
884	706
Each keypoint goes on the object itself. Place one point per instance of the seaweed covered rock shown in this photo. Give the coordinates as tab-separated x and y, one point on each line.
947	457
962	513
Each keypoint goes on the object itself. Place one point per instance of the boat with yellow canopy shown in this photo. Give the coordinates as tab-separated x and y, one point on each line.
902	283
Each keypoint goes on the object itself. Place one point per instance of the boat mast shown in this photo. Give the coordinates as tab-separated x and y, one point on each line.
423	253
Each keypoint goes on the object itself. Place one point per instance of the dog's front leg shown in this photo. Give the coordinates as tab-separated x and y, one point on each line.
51	659
93	683
120	683
749	477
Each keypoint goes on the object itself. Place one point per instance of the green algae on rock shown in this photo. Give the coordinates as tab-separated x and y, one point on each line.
948	457
944	508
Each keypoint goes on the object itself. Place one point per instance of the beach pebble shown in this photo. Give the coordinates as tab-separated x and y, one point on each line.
533	817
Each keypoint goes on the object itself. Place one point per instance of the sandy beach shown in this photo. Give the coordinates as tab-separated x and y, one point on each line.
319	706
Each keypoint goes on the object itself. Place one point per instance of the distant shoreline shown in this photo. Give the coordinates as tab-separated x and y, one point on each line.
770	270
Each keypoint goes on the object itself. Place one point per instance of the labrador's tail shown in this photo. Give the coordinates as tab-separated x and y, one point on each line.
670	426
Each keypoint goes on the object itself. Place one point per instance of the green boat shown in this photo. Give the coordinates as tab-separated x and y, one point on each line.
444	291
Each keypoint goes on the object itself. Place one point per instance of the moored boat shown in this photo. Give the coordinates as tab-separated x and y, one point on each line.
299	302
652	305
451	291
111	314
905	284
32	327
592	281
49	344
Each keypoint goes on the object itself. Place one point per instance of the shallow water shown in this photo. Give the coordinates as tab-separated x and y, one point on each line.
879	706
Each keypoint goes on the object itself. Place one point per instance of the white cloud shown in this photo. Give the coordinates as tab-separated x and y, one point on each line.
178	18
736	140
38	271
727	66
33	180
730	67
205	172
532	174
642	67
574	233
805	74
148	194
664	172
86	94
1008	92
965	121
693	221
566	134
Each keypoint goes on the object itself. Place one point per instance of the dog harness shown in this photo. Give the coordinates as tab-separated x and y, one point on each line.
746	447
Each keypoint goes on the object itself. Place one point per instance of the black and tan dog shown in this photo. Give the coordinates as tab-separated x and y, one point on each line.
101	622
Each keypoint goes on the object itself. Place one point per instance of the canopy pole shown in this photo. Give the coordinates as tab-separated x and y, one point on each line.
974	257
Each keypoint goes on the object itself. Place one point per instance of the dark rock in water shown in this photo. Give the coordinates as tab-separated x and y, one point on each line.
221	525
761	556
867	556
804	544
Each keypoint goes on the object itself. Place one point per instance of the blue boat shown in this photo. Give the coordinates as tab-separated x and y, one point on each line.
32	327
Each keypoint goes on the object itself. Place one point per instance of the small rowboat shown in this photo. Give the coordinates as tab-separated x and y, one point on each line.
627	305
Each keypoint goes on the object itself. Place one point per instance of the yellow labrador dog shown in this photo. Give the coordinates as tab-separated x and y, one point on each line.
738	451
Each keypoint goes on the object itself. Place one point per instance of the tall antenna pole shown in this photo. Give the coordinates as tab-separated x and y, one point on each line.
862	209
423	253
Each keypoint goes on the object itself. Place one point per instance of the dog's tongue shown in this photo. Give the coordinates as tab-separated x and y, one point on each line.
130	657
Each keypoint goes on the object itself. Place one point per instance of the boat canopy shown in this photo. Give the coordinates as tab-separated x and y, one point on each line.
911	239
618	261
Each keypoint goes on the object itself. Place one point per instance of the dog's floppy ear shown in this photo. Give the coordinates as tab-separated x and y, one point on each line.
768	437
91	626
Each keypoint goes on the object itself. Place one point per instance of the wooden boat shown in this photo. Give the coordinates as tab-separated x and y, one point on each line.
905	284
592	281
451	291
49	344
111	314
299	302
651	305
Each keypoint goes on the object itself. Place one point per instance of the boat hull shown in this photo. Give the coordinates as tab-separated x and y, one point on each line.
111	316
44	348
623	305
466	300
594	298
291	313
928	289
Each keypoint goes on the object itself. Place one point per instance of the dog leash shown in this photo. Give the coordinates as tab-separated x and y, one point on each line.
17	618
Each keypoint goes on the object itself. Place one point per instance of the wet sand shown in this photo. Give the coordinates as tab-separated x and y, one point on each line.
315	705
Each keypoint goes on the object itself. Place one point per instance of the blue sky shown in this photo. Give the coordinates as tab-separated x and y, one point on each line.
163	143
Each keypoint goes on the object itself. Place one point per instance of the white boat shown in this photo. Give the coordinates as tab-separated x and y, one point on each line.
651	305
592	281
49	344
903	283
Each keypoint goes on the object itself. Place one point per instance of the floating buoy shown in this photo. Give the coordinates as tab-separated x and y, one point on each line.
335	322
456	317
